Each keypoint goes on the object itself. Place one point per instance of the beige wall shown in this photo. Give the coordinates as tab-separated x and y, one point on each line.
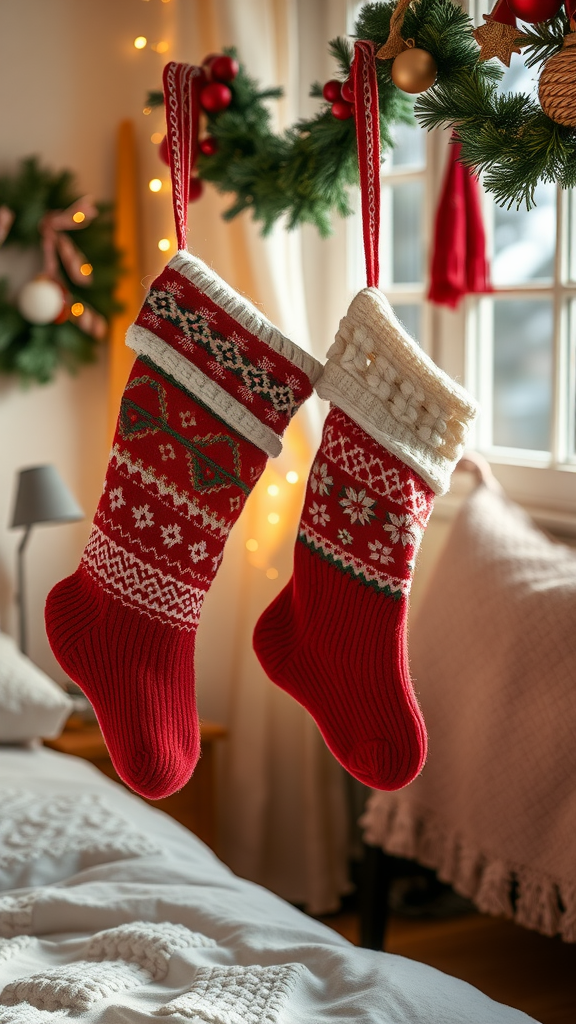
69	74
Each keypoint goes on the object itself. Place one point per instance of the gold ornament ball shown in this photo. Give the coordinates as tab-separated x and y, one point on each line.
557	86
414	70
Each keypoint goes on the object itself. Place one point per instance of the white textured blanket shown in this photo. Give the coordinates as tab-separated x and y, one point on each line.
121	916
493	655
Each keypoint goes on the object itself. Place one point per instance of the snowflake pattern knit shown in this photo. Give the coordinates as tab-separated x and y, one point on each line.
335	637
213	387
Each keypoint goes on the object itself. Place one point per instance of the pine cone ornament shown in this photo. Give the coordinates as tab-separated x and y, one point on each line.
557	87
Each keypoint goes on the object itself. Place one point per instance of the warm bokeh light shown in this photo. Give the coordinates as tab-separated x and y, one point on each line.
160	47
78	217
292	476
140	42
273	490
156	138
164	244
86	269
272	574
147	110
155	185
273	518
77	309
252	544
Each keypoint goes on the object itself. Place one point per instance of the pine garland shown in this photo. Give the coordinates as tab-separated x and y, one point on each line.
304	174
34	352
507	138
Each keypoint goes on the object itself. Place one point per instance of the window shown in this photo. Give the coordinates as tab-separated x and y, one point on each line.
515	350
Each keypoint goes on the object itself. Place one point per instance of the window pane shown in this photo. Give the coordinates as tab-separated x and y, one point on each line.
519	78
411	317
572	376
522	374
571	198
407	201
409	146
525	241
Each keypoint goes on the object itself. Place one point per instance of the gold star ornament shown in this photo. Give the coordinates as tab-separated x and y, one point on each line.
498	40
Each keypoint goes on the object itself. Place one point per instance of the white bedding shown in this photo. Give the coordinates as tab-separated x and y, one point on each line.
112	913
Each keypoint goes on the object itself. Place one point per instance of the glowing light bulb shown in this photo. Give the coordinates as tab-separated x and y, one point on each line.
164	244
77	309
140	42
252	545
156	138
155	185
273	490
273	518
86	269
160	47
147	110
78	217
292	476
272	574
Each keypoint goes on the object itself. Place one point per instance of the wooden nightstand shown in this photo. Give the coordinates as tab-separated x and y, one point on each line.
193	806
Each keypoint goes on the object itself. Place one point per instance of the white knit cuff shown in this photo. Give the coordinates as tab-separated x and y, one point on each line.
378	375
242	310
197	384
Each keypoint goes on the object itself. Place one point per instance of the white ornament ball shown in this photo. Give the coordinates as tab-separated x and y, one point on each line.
41	301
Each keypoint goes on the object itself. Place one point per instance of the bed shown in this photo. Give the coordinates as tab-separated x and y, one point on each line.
112	913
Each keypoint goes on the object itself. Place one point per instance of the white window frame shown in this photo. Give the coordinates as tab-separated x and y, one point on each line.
460	343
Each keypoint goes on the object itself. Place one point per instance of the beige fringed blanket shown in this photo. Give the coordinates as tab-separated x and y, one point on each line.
493	656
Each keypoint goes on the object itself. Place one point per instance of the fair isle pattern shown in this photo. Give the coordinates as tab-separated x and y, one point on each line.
158	533
223	405
364	511
338	556
196	327
227	352
200	516
237	995
344	443
139	585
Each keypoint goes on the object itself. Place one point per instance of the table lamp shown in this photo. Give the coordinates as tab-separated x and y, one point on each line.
41	497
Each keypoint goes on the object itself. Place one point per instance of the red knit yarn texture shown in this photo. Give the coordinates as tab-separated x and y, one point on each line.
123	626
335	637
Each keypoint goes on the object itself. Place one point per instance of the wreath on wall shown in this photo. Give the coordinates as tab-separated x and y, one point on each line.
58	318
425	47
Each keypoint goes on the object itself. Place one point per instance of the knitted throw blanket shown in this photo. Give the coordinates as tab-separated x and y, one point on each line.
493	655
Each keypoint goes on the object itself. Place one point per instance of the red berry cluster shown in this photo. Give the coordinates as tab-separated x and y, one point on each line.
215	95
341	96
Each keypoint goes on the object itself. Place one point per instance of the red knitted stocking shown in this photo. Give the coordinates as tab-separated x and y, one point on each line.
335	638
213	387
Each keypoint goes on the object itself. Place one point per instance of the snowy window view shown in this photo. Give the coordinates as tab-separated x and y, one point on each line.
524	341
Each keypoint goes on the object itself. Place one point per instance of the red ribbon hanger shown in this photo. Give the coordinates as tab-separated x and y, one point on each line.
367	118
182	83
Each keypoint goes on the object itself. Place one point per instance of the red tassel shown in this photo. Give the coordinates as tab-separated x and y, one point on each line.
459	266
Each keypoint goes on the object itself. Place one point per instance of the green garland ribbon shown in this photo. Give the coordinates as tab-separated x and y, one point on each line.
34	352
304	174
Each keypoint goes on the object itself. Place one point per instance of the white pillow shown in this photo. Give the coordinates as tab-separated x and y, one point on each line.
31	704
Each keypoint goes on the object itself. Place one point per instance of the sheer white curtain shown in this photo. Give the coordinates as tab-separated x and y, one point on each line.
283	814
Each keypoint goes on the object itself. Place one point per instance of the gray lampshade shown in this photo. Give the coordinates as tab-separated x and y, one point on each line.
43	497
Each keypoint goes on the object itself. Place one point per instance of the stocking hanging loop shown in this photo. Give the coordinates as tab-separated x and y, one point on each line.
367	119
182	102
